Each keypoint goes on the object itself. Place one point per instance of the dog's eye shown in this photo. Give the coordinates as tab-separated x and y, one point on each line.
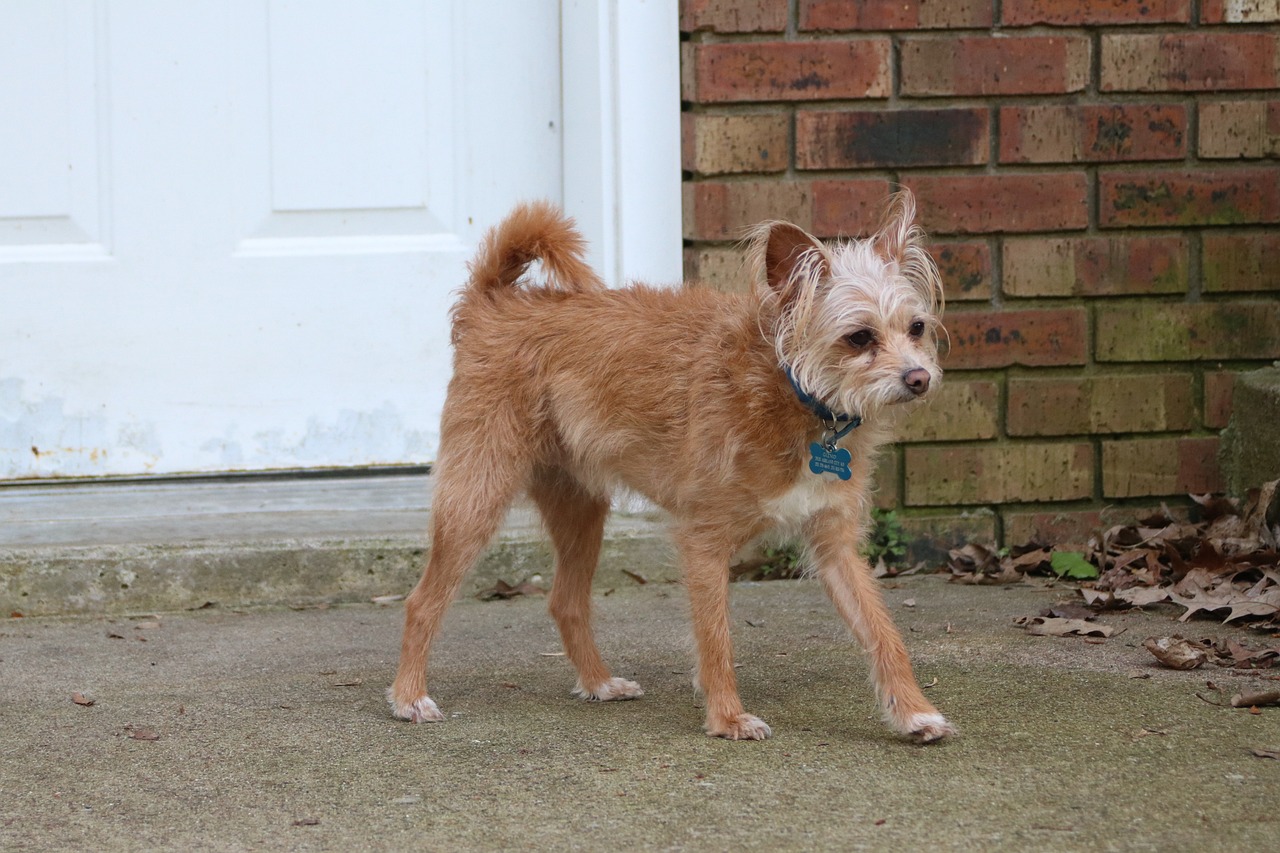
861	338
917	329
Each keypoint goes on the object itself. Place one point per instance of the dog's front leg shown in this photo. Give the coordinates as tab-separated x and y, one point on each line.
706	571
856	594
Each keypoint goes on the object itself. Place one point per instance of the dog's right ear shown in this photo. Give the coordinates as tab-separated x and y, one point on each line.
787	254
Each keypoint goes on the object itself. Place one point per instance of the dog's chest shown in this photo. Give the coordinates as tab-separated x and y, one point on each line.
810	494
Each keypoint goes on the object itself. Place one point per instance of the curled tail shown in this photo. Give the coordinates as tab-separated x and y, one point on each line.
532	231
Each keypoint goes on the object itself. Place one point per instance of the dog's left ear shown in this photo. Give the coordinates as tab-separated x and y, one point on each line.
787	253
901	241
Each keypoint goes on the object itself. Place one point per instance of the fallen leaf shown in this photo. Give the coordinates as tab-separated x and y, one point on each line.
1266	753
1041	626
1147	731
307	821
143	734
356	682
1253	699
504	590
1176	652
81	699
910	602
1069	611
933	683
1072	564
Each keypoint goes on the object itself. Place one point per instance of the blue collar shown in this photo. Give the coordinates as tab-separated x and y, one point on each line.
828	417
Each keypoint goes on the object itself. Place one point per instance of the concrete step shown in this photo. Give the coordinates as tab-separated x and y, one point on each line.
150	546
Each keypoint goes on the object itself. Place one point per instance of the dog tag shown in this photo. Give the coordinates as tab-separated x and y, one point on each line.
834	460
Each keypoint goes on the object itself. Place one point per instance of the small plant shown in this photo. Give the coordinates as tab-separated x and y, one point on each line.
782	561
888	541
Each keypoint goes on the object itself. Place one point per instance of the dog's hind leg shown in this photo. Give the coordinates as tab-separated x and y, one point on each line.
470	501
575	520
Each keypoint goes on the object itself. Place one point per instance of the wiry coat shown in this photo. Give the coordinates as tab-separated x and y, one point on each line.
568	390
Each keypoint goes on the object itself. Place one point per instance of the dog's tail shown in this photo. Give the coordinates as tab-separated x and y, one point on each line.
533	231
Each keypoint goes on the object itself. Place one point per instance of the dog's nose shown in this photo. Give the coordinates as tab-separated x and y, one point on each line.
917	379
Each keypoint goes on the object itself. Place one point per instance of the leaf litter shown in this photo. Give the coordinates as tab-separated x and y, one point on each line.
1226	566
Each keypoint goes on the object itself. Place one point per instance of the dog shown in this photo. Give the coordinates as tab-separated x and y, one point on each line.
736	414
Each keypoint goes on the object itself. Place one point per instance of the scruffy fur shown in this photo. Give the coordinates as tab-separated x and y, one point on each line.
569	390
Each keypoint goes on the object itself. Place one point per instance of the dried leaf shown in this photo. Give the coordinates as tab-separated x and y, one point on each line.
1254	699
1266	753
1069	611
503	590
636	576
81	699
1041	626
1176	652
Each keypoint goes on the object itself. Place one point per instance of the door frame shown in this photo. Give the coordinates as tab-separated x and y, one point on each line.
620	67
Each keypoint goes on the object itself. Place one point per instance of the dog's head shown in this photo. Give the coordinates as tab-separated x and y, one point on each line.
856	322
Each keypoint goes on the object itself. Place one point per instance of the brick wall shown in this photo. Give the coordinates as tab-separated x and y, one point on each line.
1101	185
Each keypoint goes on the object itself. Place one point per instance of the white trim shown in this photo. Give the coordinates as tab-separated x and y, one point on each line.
621	89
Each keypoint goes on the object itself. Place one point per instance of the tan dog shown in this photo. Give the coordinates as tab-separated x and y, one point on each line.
735	414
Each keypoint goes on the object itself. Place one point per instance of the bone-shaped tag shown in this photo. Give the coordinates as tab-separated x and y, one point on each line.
833	461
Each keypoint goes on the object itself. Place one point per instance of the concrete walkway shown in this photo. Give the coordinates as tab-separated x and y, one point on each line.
264	727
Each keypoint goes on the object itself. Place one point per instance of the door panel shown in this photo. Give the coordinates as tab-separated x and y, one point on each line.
230	231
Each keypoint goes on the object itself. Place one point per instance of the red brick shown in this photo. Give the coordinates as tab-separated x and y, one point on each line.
1160	466
894	14
1095	266
1089	405
1204	331
1060	133
717	267
1218	385
1022	13
1241	263
1033	338
1189	62
956	411
997	473
982	65
888	480
848	208
786	71
860	139
724	210
965	269
1240	129
1009	202
725	144
1239	11
733	16
1072	526
1204	197
932	536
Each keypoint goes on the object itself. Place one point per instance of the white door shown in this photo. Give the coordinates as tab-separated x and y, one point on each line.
229	229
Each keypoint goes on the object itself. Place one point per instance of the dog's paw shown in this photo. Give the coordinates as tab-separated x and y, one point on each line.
930	728
614	689
741	727
420	710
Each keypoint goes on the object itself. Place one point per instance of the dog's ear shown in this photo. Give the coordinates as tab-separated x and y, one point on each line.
787	253
901	241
